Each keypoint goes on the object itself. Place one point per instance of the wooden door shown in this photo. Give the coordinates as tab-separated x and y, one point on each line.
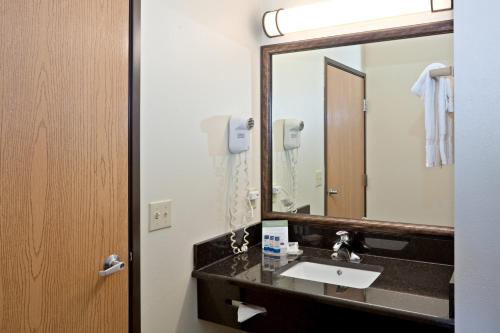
345	141
63	165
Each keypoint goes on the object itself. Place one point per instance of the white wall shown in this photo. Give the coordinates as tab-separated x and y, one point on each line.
477	119
298	92
200	64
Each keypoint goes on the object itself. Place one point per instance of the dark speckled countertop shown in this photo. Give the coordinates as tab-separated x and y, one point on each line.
410	289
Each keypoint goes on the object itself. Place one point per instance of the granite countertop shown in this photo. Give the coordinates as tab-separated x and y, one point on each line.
409	289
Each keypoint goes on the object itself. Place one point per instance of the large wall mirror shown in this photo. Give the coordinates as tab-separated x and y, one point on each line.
349	134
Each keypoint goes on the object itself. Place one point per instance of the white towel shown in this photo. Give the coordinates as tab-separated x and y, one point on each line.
438	116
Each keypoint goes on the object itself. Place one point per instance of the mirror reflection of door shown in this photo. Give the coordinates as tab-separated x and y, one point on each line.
345	184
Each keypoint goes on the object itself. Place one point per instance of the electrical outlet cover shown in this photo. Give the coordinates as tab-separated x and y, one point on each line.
160	215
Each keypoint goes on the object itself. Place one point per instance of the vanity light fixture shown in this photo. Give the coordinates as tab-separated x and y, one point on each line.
337	12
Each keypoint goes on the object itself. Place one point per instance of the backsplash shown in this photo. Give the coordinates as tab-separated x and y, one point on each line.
219	247
422	248
410	247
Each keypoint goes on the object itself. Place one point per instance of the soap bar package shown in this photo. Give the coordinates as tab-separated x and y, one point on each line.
275	236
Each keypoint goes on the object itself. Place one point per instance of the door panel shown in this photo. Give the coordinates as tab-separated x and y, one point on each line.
345	144
63	165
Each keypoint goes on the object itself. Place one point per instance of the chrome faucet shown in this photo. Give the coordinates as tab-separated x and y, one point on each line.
342	249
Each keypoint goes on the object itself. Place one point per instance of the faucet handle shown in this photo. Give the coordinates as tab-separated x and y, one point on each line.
344	236
343	240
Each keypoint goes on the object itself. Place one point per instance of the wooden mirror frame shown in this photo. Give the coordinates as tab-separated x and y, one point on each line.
267	51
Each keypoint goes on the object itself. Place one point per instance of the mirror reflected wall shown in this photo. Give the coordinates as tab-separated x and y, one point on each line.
350	139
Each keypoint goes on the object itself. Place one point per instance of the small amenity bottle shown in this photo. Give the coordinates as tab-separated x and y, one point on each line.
266	243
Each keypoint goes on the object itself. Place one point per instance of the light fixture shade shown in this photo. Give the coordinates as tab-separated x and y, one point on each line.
441	5
270	23
337	12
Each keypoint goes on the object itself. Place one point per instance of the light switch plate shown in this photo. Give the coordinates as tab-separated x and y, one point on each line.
160	215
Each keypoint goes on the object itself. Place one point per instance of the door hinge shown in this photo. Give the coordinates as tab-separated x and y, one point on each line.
130	256
365	105
366	180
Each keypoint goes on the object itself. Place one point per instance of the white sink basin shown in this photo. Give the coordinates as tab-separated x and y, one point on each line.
359	278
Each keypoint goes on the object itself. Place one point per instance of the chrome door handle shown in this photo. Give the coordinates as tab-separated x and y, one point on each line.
112	265
333	191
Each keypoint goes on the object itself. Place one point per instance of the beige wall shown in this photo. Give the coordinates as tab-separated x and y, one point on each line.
200	64
400	187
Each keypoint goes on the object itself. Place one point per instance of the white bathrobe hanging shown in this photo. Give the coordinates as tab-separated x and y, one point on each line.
438	102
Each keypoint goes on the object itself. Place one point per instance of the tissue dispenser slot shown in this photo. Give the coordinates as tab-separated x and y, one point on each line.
246	311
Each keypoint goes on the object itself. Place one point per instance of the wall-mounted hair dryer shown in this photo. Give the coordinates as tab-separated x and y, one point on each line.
239	134
239	184
291	133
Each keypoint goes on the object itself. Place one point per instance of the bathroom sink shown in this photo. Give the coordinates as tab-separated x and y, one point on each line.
344	274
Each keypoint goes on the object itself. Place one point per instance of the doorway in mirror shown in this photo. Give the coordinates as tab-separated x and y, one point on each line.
345	184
